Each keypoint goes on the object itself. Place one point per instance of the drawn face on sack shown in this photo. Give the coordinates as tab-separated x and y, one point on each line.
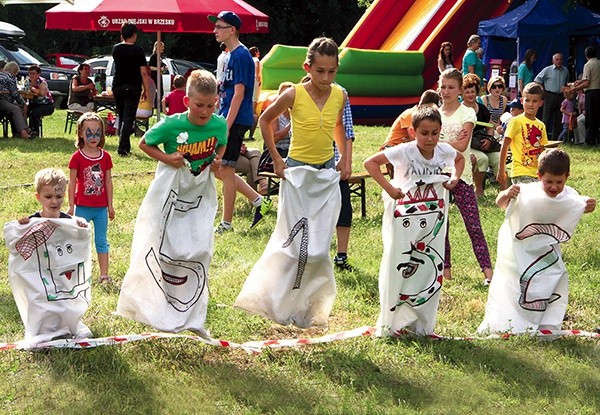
421	215
182	283
58	260
181	280
422	261
65	277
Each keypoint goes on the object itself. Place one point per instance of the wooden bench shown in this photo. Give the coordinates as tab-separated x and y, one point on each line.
356	183
553	144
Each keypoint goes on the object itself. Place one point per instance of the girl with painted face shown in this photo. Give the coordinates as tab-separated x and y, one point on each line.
90	184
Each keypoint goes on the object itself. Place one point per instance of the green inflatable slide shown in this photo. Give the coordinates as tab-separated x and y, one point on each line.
368	73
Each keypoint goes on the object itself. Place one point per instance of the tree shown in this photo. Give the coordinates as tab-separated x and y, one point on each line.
291	23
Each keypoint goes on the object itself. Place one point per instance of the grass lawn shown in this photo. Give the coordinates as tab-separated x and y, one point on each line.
520	375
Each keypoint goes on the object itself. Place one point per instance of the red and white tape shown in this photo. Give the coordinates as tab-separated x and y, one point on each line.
251	346
257	346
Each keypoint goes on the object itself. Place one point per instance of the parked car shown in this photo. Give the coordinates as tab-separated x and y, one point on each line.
11	49
66	60
174	67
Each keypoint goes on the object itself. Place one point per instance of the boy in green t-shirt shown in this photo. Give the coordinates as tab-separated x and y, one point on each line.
195	138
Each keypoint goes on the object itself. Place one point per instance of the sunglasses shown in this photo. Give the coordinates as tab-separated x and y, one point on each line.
497	86
217	27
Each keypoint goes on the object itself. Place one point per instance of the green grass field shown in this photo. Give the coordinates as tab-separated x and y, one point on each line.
521	375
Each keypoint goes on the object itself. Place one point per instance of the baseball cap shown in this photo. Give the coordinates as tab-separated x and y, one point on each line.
228	17
515	103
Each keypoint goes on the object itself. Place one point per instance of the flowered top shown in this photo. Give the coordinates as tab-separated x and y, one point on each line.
8	89
47	99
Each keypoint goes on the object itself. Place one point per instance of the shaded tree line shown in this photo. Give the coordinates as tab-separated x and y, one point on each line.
291	23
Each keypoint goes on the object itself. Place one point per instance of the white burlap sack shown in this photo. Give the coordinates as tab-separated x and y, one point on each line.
292	282
166	283
49	269
410	276
529	290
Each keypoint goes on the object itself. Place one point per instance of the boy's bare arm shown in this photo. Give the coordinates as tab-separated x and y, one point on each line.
216	163
109	195
266	121
71	191
501	177
236	102
373	165
505	196
590	205
174	160
459	166
339	134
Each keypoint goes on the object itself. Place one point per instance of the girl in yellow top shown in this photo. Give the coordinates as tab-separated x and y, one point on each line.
316	107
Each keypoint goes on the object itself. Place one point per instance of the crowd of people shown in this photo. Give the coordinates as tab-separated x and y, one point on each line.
450	139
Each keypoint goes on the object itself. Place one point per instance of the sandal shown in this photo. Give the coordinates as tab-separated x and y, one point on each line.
105	279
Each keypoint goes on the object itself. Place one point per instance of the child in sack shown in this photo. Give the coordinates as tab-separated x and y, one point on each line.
529	290
49	265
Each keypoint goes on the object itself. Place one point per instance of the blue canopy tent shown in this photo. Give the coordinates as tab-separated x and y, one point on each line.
544	25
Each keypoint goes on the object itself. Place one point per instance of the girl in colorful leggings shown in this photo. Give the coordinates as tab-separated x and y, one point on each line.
457	126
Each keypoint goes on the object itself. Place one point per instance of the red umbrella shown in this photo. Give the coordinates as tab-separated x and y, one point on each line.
184	16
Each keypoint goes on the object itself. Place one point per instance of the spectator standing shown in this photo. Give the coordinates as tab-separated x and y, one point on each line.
222	62
526	137
257	86
344	224
525	71
471	62
90	185
590	83
567	107
235	94
445	57
173	102
131	72
457	127
482	142
553	78
155	68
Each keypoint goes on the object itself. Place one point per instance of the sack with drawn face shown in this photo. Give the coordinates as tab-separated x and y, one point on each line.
49	270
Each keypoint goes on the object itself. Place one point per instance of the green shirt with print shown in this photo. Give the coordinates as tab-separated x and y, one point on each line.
197	142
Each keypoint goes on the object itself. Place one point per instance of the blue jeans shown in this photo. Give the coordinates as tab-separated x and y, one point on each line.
564	135
329	164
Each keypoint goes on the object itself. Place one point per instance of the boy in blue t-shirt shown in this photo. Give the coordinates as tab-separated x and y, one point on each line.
235	94
196	137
